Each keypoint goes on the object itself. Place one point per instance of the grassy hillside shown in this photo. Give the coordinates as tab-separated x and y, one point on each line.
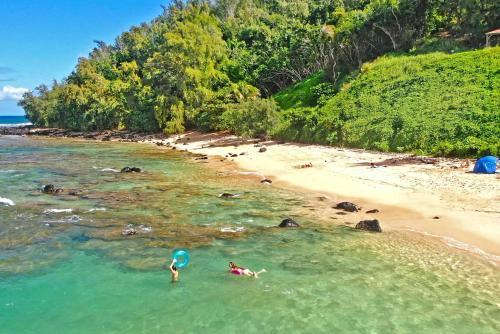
446	104
302	94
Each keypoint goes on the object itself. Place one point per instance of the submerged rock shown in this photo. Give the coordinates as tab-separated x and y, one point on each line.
81	238
288	222
129	231
51	189
373	211
228	195
369	225
266	181
347	206
131	170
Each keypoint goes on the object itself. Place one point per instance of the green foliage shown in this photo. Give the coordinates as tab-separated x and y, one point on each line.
206	64
252	118
436	103
304	93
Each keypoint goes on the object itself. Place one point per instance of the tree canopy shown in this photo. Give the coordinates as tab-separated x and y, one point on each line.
193	65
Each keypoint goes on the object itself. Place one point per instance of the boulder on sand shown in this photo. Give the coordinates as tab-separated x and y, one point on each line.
262	149
369	225
347	206
288	222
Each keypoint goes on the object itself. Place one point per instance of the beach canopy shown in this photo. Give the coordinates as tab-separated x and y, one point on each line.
486	164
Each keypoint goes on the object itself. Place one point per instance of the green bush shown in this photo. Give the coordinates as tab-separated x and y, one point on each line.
252	118
443	104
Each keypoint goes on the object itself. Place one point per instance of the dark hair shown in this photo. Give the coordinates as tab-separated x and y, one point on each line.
174	268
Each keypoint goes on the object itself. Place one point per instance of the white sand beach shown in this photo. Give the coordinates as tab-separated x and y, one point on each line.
437	197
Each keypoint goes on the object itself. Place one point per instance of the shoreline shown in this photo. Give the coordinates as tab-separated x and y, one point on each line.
435	197
444	205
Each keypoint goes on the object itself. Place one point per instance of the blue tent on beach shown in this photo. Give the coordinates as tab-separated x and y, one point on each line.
486	165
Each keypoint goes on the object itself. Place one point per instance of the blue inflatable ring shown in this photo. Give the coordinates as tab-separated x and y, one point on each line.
181	258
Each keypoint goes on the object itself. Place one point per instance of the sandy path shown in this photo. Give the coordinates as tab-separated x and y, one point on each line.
408	194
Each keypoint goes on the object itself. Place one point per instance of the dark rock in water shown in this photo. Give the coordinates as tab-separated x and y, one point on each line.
266	181
369	225
201	158
262	149
347	206
322	198
81	238
435	217
373	211
228	195
288	222
342	213
129	231
131	170
233	155
49	189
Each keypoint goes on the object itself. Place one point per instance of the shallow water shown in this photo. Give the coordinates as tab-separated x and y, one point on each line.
75	271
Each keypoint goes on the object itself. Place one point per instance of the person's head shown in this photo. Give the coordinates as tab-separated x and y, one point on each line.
231	265
174	268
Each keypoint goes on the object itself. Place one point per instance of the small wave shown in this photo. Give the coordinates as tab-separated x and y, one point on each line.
253	173
57	210
232	229
64	220
97	209
462	245
145	229
110	170
13	125
6	201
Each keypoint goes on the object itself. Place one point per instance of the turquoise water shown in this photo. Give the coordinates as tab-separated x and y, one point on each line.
13	120
75	272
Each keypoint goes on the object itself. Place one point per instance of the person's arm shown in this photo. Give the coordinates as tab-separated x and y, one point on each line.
171	265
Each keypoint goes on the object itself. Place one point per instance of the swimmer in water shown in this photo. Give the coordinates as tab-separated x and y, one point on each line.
174	271
237	270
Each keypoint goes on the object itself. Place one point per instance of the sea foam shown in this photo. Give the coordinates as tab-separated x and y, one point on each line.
6	201
57	210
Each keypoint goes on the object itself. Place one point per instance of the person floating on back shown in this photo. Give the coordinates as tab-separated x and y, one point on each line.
174	271
237	270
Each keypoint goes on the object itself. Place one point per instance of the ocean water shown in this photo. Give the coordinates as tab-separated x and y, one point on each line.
65	266
13	121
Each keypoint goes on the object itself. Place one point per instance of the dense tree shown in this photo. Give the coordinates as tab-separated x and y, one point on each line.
193	65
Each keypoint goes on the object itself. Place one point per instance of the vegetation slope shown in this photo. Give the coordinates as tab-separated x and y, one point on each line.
437	103
213	65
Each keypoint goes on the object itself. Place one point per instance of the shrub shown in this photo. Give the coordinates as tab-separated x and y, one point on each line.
252	118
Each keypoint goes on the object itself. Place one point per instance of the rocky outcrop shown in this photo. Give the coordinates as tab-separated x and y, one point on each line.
131	170
288	222
369	225
228	195
347	206
51	189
